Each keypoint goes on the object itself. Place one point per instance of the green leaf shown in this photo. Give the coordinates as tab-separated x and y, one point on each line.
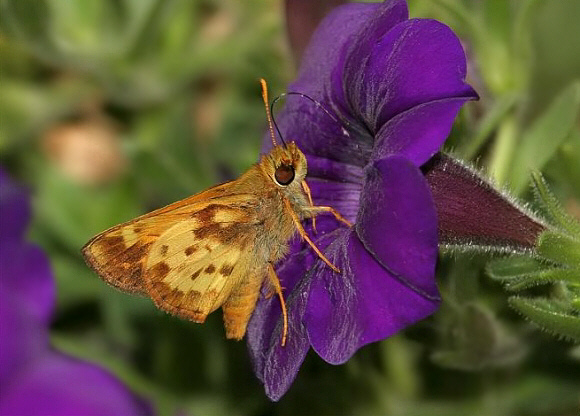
488	124
25	19
559	248
88	351
541	141
522	272
543	277
568	158
75	282
552	206
549	315
512	267
73	213
27	108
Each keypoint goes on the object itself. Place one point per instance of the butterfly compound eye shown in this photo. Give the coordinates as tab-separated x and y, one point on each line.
284	174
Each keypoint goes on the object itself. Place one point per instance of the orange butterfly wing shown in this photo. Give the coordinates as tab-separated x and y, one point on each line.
119	254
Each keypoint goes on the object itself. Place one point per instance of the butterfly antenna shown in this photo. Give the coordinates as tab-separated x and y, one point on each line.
268	114
318	104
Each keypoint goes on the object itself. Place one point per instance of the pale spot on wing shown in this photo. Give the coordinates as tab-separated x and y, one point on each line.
181	264
228	216
130	236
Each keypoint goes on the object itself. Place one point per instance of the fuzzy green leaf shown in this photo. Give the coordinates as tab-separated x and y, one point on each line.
509	268
559	248
549	315
550	275
552	206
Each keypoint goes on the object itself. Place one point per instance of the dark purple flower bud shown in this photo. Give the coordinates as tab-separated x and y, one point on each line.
472	212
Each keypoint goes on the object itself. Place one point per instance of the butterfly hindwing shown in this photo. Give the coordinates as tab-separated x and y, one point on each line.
193	267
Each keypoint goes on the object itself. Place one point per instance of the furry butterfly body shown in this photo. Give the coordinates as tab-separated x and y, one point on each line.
216	248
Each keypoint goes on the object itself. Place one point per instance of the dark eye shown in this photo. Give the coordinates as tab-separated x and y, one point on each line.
284	174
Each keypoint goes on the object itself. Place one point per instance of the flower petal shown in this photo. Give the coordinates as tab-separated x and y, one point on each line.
14	209
391	70
331	36
387	270
344	197
24	269
25	275
418	133
23	338
302	18
59	385
397	223
277	366
314	131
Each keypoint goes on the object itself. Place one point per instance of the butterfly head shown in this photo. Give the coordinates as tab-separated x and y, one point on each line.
285	165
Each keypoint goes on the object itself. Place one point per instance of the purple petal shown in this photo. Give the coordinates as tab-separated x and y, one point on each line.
23	337
24	269
387	279
335	184
397	222
332	313
418	133
344	197
302	121
25	276
14	209
302	18
277	366
391	70
333	34
59	385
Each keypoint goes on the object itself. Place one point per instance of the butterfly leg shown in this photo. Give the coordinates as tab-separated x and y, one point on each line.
318	209
303	234
309	196
271	291
278	288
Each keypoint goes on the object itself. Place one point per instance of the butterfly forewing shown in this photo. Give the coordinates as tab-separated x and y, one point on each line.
160	252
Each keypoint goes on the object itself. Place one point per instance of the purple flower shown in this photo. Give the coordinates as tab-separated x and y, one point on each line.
395	84
36	379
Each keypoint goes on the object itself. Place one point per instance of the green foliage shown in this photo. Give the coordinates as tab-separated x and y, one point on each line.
543	138
558	264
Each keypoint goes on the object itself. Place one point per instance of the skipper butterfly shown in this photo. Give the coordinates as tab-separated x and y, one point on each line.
216	248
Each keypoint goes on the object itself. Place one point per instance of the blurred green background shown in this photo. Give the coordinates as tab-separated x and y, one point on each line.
111	108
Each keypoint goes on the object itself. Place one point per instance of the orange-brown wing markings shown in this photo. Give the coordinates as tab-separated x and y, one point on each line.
193	267
119	254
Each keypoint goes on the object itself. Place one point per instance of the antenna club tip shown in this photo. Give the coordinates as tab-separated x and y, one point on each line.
264	85
269	116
